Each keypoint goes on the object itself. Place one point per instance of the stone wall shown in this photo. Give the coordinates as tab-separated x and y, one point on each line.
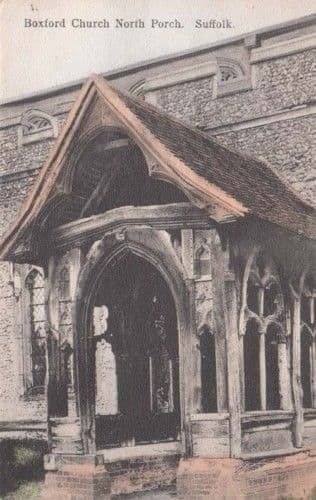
286	145
279	86
20	167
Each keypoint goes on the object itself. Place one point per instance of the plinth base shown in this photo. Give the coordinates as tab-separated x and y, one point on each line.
291	477
68	480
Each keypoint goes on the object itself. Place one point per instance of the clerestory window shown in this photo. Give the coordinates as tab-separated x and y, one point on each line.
232	76
35	126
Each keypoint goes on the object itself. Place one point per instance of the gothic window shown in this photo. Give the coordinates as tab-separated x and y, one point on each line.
36	125
202	259
208	371
264	334
308	345
36	314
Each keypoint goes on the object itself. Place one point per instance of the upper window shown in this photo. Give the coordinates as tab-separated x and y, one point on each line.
231	77
228	73
36	126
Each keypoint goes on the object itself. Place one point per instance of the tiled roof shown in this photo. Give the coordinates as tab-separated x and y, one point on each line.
251	181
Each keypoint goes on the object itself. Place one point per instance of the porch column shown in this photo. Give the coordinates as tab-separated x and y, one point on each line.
296	368
63	427
262	354
69	473
226	316
234	392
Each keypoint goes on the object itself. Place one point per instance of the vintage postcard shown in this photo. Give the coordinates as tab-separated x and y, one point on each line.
157	250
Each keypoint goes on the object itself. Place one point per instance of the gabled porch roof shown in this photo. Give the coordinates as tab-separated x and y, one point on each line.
211	174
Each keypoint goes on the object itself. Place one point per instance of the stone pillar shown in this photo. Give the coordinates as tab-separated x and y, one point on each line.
76	478
298	423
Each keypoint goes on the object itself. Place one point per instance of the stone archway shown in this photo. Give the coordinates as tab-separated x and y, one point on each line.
153	248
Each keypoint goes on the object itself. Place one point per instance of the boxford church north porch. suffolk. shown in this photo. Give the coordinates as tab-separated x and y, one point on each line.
180	300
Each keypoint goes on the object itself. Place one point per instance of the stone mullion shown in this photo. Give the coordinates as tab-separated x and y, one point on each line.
284	381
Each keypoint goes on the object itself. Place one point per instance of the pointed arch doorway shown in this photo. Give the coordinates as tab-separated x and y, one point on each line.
134	322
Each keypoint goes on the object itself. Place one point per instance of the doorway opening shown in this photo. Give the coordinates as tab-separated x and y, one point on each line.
137	357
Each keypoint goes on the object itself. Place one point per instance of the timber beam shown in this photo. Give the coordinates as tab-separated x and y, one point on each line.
159	217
